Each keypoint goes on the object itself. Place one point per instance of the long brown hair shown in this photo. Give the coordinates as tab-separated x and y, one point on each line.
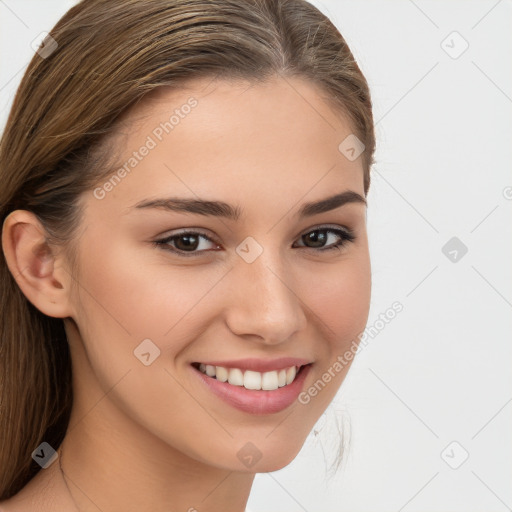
107	55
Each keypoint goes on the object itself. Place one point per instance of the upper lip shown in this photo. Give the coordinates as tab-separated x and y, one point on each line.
260	365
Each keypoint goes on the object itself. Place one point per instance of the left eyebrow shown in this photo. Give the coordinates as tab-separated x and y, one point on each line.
331	203
222	209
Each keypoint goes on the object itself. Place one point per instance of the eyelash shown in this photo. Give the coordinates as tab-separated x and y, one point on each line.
346	236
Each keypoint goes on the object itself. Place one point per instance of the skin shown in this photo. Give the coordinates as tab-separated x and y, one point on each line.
150	437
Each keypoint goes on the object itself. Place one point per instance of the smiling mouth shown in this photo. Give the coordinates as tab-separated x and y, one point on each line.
248	379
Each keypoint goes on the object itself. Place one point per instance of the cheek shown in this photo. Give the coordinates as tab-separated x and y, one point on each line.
124	300
340	299
129	295
129	290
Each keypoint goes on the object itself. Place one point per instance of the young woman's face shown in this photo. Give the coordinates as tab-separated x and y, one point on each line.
164	288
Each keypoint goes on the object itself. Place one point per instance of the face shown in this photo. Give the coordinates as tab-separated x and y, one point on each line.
261	282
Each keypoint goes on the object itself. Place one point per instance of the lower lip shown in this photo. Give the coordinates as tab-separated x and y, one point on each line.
254	401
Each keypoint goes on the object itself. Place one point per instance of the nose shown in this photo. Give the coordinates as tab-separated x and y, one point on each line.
265	303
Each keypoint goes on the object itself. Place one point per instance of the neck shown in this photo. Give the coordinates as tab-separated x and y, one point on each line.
111	461
129	469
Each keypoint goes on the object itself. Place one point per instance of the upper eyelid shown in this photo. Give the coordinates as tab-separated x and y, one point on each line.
191	231
200	232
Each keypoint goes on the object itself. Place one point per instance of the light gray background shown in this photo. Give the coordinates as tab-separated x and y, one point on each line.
441	370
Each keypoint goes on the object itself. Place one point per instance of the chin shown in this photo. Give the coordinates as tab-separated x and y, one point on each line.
275	464
274	459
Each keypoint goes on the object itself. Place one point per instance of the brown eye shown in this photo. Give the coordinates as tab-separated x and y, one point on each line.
186	243
318	238
192	243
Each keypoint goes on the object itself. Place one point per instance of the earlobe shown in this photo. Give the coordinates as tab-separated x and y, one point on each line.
34	265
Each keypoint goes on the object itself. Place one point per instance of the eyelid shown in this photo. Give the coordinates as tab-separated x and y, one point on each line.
187	231
349	236
200	231
165	241
334	227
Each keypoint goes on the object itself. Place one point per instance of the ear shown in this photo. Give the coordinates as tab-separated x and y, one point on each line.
40	274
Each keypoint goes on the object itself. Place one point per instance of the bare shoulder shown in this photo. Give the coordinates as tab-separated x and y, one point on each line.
44	493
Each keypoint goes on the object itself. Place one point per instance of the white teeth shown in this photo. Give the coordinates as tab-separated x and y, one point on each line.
267	381
236	377
221	373
290	374
252	380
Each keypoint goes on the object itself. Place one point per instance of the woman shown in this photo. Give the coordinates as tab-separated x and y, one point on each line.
185	260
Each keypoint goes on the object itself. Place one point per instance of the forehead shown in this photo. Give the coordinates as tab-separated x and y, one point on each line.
272	141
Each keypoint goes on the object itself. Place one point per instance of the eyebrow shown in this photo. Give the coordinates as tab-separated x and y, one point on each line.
228	211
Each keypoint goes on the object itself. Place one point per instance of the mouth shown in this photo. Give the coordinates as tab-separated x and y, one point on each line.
251	391
251	379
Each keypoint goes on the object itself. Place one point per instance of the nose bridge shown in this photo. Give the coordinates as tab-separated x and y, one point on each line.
264	302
